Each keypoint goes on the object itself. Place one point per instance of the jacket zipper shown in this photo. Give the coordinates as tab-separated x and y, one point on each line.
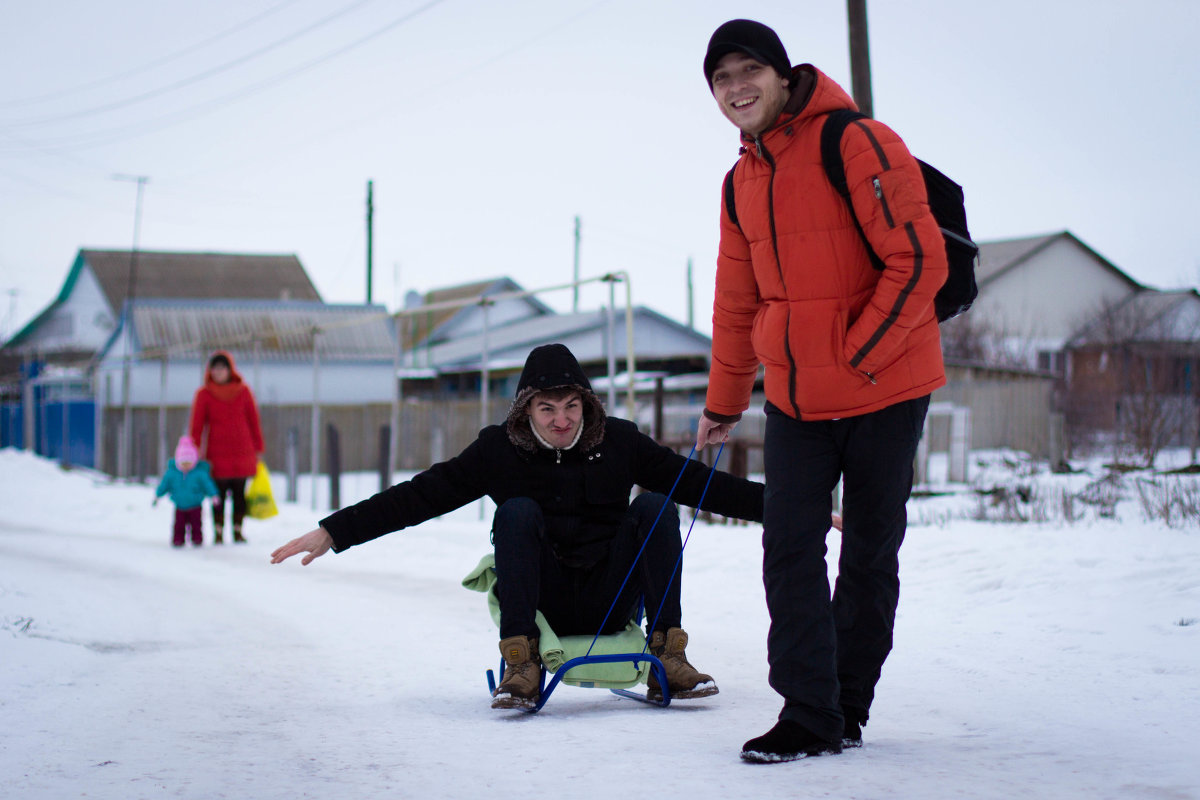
887	212
787	338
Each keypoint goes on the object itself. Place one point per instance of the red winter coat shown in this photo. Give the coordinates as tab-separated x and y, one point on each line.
795	287
229	414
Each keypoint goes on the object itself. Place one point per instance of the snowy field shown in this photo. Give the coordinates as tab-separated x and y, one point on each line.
1042	660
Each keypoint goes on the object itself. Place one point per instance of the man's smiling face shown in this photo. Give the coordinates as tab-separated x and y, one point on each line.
750	94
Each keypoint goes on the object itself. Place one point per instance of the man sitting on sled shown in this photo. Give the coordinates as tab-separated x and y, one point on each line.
565	533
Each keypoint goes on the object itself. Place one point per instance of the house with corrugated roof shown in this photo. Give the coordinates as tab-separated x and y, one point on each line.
453	335
457	336
305	361
87	310
444	313
1084	343
290	352
148	320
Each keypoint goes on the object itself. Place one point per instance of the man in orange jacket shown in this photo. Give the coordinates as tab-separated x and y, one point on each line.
851	354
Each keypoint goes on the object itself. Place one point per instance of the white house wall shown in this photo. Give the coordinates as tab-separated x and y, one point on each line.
1050	296
83	321
272	383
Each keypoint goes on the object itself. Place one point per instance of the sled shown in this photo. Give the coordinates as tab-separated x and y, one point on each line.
545	690
616	661
555	649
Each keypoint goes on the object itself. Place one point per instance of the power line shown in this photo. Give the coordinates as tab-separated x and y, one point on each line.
115	134
188	81
364	122
173	56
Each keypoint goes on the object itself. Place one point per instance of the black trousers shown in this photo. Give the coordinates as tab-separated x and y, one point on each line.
236	488
827	653
575	600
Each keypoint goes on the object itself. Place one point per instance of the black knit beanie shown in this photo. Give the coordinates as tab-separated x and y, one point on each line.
550	366
752	38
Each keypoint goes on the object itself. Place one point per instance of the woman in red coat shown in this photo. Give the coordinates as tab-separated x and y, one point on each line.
225	408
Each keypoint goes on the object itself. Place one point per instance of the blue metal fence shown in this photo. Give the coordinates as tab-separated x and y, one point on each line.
64	419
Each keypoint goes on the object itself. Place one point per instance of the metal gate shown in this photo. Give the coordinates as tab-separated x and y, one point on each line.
56	418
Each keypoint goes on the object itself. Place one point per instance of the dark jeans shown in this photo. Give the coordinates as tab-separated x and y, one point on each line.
825	654
231	486
188	520
574	600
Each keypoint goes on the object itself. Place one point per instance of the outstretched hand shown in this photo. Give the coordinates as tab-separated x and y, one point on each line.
316	543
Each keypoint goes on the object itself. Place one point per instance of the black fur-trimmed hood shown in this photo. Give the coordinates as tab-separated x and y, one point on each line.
553	366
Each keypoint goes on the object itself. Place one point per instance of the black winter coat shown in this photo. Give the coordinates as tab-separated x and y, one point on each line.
584	492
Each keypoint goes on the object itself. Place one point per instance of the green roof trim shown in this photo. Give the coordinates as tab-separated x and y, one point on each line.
63	293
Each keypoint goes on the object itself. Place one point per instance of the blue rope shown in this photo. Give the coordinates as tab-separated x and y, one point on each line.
682	547
646	541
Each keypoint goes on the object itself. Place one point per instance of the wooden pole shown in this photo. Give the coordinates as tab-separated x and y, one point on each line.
860	56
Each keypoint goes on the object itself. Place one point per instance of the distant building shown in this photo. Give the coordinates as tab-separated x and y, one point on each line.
293	355
46	370
278	346
87	311
1135	371
448	348
1036	292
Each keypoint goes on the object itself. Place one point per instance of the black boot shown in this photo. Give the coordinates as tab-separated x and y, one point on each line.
787	741
237	535
852	732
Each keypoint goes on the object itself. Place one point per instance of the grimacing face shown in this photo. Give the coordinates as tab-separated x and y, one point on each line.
556	421
749	93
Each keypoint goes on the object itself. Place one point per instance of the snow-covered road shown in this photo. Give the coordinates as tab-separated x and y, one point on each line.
1035	661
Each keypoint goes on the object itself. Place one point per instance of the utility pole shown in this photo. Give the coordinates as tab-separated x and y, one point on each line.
860	56
370	234
575	290
125	456
691	298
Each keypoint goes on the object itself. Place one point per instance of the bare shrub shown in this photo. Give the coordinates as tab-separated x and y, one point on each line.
1104	494
1174	501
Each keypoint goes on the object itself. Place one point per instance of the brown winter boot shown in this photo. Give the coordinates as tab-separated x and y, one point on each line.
218	535
237	535
520	686
684	680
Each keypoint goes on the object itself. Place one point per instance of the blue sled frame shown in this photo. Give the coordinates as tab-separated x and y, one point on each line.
545	690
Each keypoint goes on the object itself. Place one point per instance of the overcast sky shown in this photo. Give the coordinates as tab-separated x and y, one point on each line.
488	126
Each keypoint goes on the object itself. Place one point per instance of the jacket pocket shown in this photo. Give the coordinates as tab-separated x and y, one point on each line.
899	201
766	335
816	332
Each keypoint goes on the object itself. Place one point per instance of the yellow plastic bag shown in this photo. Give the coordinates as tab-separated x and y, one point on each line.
260	502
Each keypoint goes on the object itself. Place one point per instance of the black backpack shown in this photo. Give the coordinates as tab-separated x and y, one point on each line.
945	201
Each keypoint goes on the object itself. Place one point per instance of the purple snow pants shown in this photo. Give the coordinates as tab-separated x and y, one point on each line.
185	520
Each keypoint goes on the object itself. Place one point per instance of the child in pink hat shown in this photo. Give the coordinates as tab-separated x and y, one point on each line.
188	481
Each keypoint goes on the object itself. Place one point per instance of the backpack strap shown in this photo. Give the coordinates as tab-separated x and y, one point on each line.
730	204
835	169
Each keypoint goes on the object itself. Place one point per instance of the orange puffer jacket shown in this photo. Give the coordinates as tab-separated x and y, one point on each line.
795	287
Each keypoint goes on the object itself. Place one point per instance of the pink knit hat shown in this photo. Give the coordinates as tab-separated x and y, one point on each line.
185	452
